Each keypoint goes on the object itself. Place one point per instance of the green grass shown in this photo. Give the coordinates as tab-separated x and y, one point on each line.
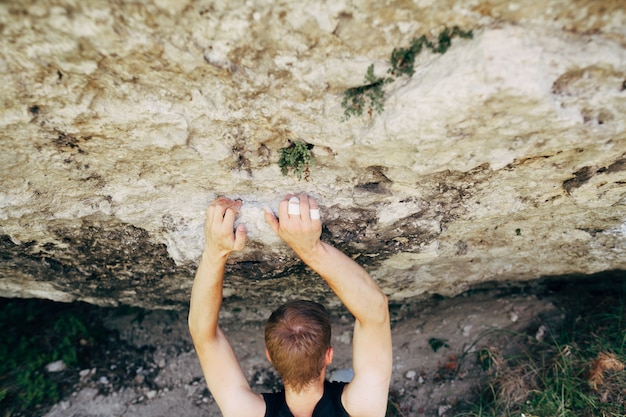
576	371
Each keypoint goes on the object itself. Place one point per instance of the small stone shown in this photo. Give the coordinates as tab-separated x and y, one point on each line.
190	390
346	337
151	394
541	332
342	375
410	375
56	366
442	409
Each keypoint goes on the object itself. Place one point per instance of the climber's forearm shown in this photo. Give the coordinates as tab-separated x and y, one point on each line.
353	285
206	296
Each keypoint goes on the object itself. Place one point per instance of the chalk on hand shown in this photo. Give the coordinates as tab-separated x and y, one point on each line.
294	206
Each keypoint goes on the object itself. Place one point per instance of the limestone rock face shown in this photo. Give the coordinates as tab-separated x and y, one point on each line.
500	160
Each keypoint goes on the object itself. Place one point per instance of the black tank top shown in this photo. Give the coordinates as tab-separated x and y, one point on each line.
328	406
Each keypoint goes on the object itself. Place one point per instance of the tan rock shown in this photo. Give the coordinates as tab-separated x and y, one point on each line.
502	160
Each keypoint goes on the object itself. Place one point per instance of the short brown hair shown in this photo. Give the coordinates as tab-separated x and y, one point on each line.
297	337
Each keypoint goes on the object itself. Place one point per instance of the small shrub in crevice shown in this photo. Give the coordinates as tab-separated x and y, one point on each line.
371	94
298	158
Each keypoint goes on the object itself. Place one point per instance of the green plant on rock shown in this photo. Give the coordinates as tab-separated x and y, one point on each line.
371	94
354	99
298	158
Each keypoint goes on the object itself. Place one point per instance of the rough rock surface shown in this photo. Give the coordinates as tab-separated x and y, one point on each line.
502	160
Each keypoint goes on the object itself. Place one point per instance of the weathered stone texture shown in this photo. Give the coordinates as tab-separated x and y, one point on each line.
502	160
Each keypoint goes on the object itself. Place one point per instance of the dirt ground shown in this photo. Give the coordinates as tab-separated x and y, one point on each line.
150	368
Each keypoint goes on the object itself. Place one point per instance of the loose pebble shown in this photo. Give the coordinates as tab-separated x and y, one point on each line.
56	366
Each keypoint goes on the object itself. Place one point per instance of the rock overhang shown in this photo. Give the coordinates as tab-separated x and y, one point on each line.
499	161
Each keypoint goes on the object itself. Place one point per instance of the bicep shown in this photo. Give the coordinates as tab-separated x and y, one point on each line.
226	380
367	393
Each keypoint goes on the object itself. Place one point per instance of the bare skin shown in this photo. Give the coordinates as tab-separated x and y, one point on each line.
366	394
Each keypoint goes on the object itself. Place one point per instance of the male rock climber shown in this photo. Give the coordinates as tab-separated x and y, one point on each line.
297	334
